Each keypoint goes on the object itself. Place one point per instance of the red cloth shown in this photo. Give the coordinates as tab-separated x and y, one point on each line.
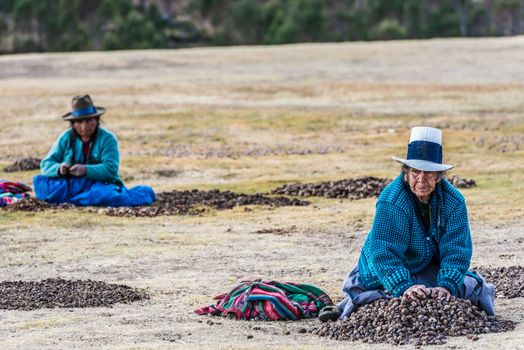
13	187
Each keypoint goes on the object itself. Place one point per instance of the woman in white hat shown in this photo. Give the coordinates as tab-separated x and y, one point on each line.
82	166
420	241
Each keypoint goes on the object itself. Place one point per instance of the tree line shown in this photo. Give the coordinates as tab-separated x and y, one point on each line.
76	25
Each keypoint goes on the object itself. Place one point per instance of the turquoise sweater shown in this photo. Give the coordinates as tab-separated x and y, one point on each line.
398	246
102	164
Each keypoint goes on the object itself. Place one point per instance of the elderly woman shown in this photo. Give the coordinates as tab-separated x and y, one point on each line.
420	241
82	166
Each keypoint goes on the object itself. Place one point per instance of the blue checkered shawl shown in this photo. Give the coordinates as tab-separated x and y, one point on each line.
398	246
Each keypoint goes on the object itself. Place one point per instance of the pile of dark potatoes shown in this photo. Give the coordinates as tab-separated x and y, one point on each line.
57	292
509	281
191	202
24	164
352	188
424	322
173	203
195	202
429	321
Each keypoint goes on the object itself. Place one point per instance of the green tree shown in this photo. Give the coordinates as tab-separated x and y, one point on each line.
135	31
442	20
71	25
245	19
282	30
388	29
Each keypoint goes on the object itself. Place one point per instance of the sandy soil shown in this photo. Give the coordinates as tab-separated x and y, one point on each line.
348	107
185	263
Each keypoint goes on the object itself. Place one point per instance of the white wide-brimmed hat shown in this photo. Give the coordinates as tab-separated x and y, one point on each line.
425	150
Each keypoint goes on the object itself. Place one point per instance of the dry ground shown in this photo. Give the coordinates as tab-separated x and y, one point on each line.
250	119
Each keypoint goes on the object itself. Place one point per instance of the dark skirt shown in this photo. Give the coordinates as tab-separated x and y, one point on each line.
475	288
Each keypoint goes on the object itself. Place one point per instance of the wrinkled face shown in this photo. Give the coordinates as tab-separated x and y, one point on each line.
85	128
422	183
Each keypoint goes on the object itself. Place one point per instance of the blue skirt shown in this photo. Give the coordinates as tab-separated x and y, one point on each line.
475	288
82	192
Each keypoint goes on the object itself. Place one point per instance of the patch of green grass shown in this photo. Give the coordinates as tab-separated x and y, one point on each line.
293	122
10	219
494	198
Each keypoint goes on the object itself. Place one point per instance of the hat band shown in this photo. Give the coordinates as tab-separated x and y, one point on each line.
425	150
84	111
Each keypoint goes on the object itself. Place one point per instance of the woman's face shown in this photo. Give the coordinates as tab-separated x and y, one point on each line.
422	183
85	128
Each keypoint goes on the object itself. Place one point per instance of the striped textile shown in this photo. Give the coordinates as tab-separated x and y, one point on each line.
13	187
269	301
12	192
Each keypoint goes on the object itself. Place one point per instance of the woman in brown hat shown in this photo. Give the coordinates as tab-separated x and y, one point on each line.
82	166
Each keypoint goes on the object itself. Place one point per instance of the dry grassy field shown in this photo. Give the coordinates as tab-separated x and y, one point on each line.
249	119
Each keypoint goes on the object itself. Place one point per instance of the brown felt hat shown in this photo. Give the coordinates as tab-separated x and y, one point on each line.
83	108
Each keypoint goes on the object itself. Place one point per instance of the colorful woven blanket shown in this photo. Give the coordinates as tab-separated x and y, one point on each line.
269	301
12	192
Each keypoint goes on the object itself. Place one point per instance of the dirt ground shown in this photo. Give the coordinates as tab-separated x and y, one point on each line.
249	119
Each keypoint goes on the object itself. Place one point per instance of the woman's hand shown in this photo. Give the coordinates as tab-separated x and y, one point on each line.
441	293
64	169
78	170
416	292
